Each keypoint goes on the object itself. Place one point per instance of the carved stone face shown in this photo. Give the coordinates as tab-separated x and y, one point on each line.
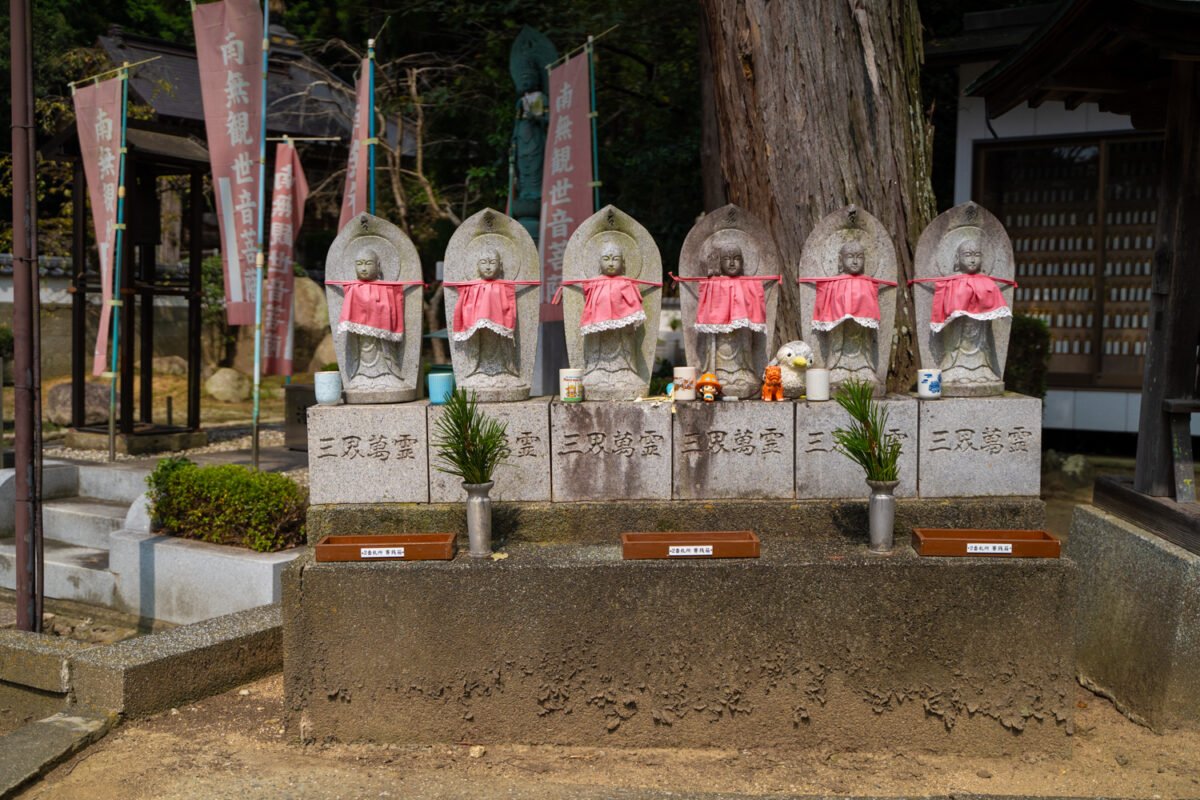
366	266
731	262
852	258
612	261
969	258
490	266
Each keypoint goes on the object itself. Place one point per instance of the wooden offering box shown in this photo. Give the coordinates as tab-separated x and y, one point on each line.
703	544
984	543
398	547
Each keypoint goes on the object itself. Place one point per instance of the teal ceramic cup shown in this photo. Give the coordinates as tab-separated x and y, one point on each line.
441	386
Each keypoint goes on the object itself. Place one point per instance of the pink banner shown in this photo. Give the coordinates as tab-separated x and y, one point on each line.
567	196
98	119
229	39
354	197
287	213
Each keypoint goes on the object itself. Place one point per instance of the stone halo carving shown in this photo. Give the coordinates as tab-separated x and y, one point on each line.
733	237
510	256
629	249
831	252
947	249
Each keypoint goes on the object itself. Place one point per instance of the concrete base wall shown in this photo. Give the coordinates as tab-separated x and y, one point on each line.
816	644
1139	619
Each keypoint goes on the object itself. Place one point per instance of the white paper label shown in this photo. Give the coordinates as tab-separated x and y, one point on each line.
381	552
988	547
689	550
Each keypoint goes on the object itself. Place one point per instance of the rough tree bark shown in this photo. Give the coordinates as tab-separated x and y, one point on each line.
820	106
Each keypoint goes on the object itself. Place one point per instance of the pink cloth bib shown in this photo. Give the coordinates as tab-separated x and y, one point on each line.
844	297
964	295
486	304
374	308
727	303
609	302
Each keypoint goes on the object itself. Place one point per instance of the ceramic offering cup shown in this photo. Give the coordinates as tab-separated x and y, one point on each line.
817	384
441	386
929	384
327	385
570	385
685	383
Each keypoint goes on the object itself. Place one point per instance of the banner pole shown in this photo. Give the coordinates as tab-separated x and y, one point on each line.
259	258
116	299
595	146
371	118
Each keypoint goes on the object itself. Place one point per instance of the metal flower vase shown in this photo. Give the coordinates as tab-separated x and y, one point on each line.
479	519
882	515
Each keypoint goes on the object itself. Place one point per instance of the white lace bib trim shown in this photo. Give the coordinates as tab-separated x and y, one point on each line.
494	327
367	330
636	318
729	327
986	316
826	326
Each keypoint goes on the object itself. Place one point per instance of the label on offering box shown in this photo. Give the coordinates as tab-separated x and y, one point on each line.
381	552
690	550
988	547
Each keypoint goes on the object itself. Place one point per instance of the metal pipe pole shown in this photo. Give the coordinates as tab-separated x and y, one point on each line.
259	259
25	283
118	297
371	120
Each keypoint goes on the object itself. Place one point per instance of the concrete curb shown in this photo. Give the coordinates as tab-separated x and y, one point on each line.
33	750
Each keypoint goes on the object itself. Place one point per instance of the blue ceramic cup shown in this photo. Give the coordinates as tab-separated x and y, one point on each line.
441	386
328	387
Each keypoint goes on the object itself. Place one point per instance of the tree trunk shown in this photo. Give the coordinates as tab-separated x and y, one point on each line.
710	138
819	105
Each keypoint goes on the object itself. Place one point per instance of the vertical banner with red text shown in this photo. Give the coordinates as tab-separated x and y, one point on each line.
287	212
98	119
567	171
354	197
229	36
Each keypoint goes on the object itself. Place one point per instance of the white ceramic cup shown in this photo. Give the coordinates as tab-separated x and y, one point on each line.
570	385
685	383
929	384
816	382
327	386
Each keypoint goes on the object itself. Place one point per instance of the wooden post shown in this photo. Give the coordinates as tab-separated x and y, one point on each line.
126	293
195	257
79	355
146	269
1175	288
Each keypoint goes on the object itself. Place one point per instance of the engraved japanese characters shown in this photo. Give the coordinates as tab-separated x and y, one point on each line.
612	296
492	271
373	289
963	292
847	296
729	273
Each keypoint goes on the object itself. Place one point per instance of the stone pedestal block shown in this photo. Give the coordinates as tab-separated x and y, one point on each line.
981	446
734	450
526	474
1139	614
822	472
617	450
368	454
816	644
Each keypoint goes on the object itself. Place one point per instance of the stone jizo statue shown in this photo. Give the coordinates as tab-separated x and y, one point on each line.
493	318
728	267
612	303
372	267
962	276
847	264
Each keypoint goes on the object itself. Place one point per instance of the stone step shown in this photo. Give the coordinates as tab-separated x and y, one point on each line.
120	481
83	521
71	572
59	479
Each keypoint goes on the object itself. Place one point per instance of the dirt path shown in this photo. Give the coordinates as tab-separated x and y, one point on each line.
233	746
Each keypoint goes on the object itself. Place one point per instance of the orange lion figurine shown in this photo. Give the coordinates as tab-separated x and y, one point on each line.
772	384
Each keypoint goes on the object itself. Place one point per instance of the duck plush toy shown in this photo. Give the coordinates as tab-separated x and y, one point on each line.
793	359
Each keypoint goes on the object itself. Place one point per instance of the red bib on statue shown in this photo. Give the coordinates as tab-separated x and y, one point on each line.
975	296
373	308
728	303
490	305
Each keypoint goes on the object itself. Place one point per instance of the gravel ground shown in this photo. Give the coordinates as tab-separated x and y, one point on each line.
221	440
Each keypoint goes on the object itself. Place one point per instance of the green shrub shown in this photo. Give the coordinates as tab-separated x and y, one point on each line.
227	504
6	342
1028	356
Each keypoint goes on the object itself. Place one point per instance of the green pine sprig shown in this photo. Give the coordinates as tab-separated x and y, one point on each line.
469	443
866	441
